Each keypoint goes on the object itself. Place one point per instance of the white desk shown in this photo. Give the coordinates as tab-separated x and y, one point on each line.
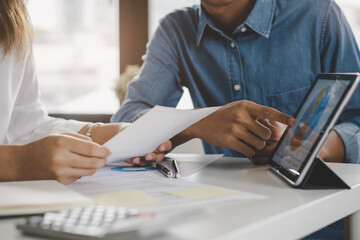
288	213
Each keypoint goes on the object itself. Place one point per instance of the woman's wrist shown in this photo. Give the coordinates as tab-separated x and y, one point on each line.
85	129
11	162
90	131
102	133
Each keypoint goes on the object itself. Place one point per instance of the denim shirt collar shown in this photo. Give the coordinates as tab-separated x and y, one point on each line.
259	20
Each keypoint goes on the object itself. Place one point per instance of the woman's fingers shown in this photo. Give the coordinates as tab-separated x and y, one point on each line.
78	135
79	161
83	147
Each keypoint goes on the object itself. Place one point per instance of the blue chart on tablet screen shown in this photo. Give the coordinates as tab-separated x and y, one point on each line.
315	113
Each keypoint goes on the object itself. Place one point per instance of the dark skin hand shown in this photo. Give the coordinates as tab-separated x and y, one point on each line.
236	126
277	129
333	149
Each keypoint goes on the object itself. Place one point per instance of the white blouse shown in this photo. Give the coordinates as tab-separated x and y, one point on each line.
22	116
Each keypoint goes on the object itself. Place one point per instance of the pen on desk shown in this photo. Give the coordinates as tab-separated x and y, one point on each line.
177	171
164	170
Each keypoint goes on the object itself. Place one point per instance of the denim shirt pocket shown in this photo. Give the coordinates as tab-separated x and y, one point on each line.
288	102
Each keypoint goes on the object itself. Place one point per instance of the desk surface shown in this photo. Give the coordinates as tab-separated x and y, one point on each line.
288	213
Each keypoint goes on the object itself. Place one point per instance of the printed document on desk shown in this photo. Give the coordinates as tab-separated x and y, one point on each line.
121	186
148	132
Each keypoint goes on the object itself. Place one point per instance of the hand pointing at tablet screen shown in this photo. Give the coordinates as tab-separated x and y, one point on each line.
236	126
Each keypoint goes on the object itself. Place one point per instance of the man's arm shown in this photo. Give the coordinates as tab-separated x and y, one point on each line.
340	53
333	149
158	82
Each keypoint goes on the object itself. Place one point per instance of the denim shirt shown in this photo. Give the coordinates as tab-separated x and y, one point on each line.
271	59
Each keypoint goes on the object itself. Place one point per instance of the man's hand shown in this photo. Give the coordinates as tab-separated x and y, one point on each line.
277	130
236	126
156	156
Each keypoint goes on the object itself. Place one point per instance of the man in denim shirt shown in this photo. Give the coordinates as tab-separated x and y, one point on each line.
248	56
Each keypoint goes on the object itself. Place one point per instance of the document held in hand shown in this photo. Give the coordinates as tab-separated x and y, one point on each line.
148	132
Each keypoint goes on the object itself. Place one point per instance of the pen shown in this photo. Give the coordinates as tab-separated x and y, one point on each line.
164	170
177	171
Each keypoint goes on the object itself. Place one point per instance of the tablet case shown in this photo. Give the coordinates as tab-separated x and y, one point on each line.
320	176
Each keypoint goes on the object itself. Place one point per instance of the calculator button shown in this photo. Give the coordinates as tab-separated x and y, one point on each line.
56	226
95	223
45	225
133	212
84	221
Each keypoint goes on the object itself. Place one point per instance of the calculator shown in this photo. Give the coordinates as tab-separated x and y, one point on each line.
100	222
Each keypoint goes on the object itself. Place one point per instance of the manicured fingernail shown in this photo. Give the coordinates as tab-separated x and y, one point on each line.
149	157
162	148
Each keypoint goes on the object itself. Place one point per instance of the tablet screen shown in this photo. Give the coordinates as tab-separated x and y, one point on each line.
298	142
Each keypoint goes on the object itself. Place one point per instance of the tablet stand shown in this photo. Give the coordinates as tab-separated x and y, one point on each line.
320	176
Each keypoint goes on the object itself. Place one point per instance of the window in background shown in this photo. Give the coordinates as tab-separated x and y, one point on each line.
76	49
351	9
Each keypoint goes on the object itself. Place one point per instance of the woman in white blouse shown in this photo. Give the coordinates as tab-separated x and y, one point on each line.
32	144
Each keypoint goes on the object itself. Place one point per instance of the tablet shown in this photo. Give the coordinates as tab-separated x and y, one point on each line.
315	117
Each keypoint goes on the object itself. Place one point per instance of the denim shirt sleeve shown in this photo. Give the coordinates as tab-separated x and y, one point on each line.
340	53
158	82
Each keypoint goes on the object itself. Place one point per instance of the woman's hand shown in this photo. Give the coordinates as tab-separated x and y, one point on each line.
156	156
63	157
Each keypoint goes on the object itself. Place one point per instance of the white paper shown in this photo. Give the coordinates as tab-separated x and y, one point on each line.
150	182
148	132
190	163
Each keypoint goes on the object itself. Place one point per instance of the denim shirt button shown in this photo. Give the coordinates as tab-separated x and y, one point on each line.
232	44
236	87
243	29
